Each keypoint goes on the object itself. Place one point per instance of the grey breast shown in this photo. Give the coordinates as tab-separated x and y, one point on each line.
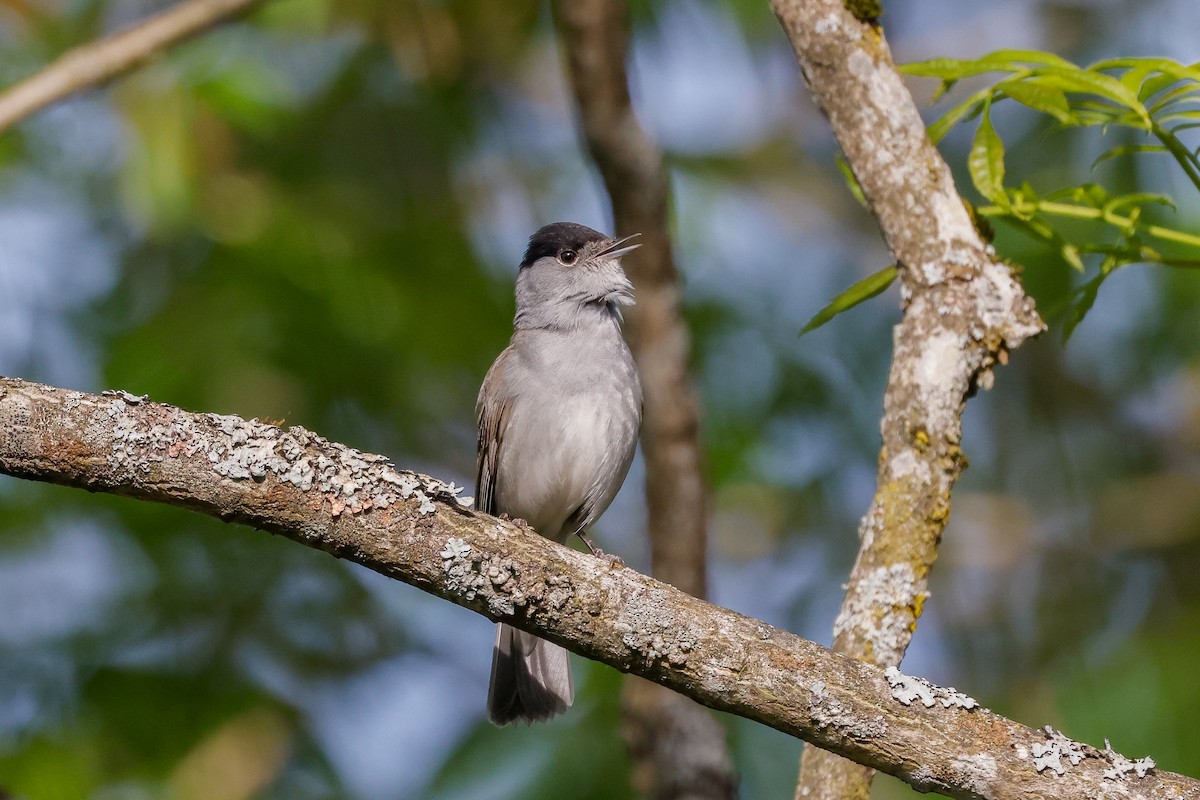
571	427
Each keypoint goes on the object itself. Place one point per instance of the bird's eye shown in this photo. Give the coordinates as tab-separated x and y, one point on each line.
568	257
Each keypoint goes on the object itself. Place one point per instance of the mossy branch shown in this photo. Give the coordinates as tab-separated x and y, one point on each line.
411	527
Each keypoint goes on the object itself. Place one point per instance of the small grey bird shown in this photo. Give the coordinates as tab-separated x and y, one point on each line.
559	413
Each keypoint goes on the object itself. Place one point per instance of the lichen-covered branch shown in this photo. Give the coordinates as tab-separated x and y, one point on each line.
97	62
411	527
678	749
963	312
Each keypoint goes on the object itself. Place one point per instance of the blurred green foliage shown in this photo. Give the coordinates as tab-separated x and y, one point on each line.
314	214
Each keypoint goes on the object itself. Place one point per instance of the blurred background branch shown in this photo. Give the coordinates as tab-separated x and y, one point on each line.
95	63
963	313
678	748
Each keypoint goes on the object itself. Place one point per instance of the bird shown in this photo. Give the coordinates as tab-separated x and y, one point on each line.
559	414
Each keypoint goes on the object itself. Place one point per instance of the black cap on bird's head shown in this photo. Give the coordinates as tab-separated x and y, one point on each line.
567	241
550	240
568	272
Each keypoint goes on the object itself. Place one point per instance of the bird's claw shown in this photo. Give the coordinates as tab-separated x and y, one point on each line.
614	561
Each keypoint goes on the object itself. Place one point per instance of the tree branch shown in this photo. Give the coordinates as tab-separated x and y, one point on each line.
678	749
96	62
963	312
410	527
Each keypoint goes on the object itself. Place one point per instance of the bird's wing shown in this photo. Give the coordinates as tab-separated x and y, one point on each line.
491	410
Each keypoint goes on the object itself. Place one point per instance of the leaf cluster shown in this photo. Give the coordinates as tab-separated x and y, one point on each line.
1156	99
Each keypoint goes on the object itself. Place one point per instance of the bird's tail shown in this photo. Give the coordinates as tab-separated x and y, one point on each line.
531	678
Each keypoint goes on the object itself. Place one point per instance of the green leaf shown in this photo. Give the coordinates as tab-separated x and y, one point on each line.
1167	66
860	292
1029	56
1142	75
1182	93
1080	308
1134	77
1178	115
1090	194
939	129
1000	61
1126	149
1152	86
1097	83
1138	199
1088	117
1035	228
986	161
954	69
1038	96
851	181
1070	254
942	88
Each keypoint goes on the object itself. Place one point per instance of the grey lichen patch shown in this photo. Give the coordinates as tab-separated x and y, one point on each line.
477	575
880	610
121	394
829	712
1122	766
937	377
1002	305
73	400
976	772
883	111
831	25
908	690
923	779
250	450
559	591
1049	755
648	628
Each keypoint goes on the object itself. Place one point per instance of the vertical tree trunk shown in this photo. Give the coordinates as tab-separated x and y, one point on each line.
678	748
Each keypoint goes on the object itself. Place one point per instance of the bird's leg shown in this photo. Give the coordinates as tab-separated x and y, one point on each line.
597	552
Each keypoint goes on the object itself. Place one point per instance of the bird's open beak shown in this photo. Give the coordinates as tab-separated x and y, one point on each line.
615	250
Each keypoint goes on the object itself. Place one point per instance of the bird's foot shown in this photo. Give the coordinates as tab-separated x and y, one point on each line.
520	523
613	561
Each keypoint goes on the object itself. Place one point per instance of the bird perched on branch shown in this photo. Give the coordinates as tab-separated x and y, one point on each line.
559	413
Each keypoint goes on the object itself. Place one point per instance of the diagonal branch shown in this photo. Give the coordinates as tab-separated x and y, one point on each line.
678	749
963	312
410	527
100	61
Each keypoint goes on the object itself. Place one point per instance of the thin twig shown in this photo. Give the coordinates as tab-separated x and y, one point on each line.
95	63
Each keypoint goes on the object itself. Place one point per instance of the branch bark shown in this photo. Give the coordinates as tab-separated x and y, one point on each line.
963	312
410	527
678	749
100	61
